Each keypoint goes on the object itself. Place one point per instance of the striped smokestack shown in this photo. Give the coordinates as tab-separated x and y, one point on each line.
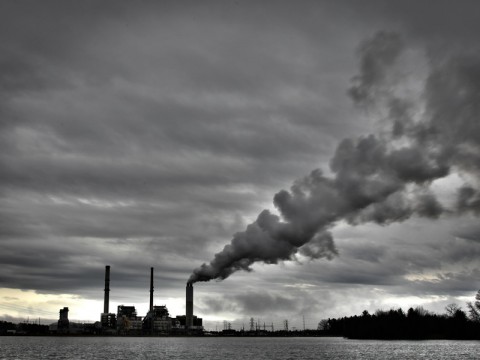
107	289
189	306
151	289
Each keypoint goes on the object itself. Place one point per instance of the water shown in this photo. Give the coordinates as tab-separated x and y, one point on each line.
214	348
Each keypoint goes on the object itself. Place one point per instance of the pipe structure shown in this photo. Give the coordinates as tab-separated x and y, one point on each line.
151	289
107	289
189	306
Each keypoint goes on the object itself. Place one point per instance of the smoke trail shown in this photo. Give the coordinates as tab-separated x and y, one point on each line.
376	178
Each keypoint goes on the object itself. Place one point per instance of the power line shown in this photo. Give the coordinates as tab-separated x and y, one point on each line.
26	309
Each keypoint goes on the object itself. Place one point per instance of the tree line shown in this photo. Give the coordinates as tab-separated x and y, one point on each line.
414	324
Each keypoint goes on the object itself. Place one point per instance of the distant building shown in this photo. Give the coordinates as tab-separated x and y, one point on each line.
157	321
63	326
197	324
109	323
127	320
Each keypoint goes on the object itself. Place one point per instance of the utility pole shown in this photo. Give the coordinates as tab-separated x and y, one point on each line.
303	322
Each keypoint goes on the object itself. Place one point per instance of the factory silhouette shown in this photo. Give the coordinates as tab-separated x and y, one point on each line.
415	324
126	321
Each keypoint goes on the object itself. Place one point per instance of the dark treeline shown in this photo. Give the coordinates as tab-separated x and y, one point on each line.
8	328
415	324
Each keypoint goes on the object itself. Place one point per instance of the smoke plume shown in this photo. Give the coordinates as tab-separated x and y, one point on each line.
380	178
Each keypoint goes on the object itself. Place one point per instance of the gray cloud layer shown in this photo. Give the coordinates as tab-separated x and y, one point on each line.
146	135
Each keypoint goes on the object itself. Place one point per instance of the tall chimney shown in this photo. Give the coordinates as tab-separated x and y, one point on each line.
107	289
189	306
151	289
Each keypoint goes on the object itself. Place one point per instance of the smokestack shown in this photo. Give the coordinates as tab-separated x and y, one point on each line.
151	289
107	289
189	306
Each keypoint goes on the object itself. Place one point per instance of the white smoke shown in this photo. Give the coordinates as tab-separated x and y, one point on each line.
381	178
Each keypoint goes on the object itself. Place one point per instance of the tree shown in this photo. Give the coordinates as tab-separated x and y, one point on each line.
452	309
460	315
323	325
474	308
419	311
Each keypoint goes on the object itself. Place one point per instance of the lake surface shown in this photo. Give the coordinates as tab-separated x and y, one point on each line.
231	348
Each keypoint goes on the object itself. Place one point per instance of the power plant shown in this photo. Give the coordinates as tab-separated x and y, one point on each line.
157	321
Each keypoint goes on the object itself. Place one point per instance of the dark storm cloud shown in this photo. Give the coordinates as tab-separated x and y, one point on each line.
80	268
402	258
144	135
135	120
442	27
150	128
470	232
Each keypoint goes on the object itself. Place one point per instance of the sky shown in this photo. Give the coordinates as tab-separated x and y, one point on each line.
296	160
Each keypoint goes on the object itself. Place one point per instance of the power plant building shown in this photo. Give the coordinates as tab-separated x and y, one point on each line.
197	323
157	320
127	320
107	319
63	322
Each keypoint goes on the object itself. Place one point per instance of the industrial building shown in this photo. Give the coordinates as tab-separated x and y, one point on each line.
127	321
66	327
157	321
63	323
107	319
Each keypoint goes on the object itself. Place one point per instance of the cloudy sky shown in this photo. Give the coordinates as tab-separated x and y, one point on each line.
334	149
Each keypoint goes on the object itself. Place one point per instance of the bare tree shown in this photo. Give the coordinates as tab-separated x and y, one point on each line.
451	309
474	308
